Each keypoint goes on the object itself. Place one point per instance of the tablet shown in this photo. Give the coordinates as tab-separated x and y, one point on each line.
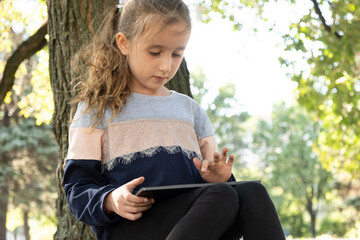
160	192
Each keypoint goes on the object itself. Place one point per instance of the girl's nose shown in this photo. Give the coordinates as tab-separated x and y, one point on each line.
165	64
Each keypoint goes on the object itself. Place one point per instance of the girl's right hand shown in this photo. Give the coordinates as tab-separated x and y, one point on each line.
124	203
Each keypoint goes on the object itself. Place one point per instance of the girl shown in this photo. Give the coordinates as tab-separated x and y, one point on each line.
131	131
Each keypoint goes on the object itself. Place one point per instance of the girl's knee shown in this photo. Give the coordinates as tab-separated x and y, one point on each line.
224	188
225	200
225	194
257	188
252	192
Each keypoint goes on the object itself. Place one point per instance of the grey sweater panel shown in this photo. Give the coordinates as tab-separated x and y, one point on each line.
175	106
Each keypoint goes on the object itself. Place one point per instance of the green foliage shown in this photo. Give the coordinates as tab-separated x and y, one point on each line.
30	173
328	37
331	88
286	144
227	125
335	226
28	151
227	10
31	91
294	223
5	172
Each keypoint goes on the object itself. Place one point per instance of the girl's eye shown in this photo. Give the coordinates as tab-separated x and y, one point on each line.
177	54
154	53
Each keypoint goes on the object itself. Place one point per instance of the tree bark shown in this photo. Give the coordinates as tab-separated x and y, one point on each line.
4	187
312	214
26	224
69	28
181	81
4	199
70	25
323	21
313	224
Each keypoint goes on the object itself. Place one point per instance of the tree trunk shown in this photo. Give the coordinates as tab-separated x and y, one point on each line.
4	184
4	199
70	26
181	81
312	214
313	222
26	224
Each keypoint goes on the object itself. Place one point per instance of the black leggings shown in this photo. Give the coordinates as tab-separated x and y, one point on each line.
214	212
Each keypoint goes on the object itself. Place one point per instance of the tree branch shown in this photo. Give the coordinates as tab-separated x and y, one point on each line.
25	50
322	19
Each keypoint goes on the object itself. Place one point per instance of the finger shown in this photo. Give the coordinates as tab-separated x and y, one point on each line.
197	163
205	165
224	154
231	160
133	200
132	216
130	203
134	183
137	209
139	202
216	157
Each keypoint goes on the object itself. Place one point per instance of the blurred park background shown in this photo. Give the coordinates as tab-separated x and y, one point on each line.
279	80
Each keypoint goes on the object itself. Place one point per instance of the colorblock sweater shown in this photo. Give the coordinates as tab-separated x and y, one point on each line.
153	136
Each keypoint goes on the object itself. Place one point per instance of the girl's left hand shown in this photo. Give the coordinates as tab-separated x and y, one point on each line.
218	170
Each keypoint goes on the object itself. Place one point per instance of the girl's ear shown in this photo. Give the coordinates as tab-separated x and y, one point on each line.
122	42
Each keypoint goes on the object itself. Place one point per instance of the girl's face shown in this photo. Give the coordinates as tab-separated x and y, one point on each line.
155	58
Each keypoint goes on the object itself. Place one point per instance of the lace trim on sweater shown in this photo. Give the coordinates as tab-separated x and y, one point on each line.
150	152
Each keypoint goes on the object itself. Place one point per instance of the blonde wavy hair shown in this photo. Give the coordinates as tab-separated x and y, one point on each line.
103	72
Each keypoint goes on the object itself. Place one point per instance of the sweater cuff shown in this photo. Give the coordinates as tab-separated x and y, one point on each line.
107	215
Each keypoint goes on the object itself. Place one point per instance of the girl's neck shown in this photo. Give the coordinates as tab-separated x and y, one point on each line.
163	91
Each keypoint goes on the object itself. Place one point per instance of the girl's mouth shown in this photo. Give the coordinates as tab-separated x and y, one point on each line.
160	79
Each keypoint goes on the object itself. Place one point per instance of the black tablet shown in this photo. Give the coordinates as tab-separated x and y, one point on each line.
160	192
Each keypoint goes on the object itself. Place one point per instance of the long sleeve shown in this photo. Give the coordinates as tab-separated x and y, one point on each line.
85	190
84	183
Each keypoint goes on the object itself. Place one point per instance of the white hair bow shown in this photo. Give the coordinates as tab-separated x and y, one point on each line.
121	4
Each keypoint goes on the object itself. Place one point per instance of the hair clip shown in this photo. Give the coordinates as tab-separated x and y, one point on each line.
121	4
